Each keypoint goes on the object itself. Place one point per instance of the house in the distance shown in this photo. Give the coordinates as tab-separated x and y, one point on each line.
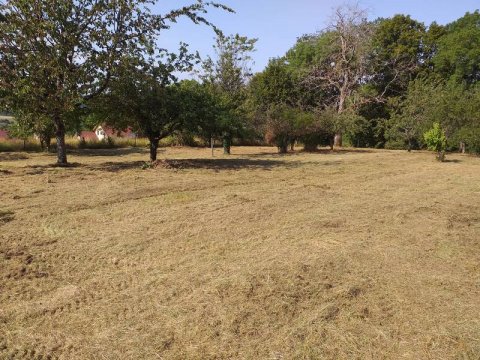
103	132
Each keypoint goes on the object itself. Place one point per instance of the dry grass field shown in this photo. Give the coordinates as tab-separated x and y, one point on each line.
357	254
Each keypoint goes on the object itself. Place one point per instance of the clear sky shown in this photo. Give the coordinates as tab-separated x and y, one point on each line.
278	23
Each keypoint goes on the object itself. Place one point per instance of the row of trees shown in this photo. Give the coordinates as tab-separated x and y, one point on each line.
64	61
382	83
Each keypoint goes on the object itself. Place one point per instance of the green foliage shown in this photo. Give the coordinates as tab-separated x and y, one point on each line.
143	98
427	101
20	129
436	140
226	78
458	51
280	126
397	53
274	85
230	70
470	136
57	55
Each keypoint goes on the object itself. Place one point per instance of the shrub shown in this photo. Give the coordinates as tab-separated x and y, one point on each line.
436	140
280	126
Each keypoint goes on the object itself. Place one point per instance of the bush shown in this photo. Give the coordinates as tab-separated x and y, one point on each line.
395	144
280	126
436	140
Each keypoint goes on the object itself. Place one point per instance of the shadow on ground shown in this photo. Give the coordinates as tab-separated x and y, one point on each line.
319	151
110	152
209	164
12	156
186	164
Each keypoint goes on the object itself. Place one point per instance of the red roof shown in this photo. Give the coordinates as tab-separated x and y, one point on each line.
3	134
111	132
87	135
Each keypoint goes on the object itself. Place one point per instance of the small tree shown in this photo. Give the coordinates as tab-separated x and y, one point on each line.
143	99
436	141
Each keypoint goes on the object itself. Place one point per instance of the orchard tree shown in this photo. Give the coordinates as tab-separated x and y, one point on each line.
201	111
145	98
56	55
228	75
20	129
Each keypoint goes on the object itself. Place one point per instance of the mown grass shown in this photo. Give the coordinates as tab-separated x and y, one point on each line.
356	254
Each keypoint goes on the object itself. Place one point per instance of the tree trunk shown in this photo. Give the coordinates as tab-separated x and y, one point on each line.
338	139
283	146
48	143
462	147
227	143
212	145
292	144
332	143
153	148
441	156
45	142
61	148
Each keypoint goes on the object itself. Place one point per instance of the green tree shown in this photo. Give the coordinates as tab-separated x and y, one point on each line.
228	75
436	140
399	53
458	52
274	85
143	98
203	111
21	129
56	55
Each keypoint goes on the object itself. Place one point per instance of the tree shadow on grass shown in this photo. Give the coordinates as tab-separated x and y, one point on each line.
229	164
110	152
12	156
117	166
189	164
322	151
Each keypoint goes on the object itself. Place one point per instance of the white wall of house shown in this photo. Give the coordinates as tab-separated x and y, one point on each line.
101	135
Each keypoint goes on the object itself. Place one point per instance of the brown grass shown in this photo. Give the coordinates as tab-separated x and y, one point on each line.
350	255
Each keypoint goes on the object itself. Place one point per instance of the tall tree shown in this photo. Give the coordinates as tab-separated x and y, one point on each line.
228	75
346	65
458	51
56	55
398	46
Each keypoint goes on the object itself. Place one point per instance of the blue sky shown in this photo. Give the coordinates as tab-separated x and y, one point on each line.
278	23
